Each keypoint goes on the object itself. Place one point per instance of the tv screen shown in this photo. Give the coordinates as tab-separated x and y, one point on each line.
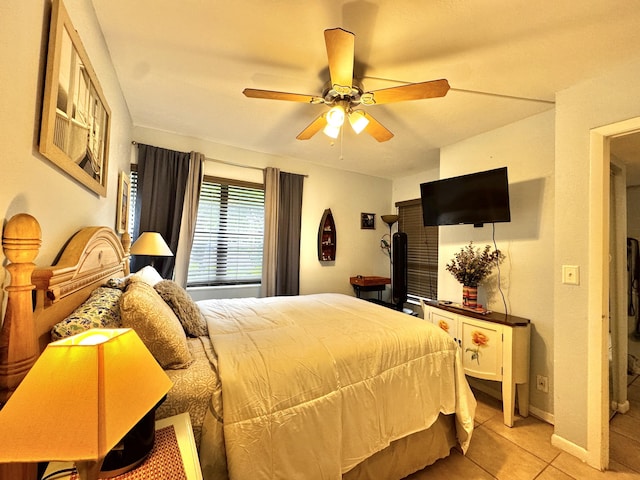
476	198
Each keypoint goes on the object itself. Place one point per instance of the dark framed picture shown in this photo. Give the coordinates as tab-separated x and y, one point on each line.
368	221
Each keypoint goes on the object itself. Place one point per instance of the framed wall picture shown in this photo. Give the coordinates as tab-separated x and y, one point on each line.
124	194
368	221
76	118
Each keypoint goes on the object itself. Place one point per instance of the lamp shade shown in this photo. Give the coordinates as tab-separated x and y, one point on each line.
389	219
358	121
152	244
335	116
80	398
331	131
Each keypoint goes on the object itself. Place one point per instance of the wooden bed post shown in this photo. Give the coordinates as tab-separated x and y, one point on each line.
21	240
19	349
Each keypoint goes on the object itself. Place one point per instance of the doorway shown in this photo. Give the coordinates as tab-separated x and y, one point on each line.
626	149
618	286
598	404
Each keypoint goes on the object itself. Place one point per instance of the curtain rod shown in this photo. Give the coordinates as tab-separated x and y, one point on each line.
233	164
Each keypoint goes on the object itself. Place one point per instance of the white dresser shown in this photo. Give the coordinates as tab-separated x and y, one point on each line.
494	347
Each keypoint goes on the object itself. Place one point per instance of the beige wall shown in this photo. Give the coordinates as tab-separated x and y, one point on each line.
346	194
31	183
633	212
527	149
579	311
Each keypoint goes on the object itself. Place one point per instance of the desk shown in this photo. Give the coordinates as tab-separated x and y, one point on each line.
362	283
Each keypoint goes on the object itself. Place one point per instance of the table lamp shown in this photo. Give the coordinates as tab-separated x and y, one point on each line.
82	396
151	244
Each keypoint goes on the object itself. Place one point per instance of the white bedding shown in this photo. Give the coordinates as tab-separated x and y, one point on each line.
312	385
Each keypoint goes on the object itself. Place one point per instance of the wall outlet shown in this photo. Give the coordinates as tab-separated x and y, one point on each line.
542	383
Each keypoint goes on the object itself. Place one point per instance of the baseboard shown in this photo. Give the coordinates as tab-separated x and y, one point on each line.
569	447
542	415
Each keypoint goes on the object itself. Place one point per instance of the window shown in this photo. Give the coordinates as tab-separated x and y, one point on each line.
227	245
422	251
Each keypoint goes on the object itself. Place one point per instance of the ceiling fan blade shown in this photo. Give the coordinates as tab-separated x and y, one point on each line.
413	91
313	128
377	130
340	53
291	97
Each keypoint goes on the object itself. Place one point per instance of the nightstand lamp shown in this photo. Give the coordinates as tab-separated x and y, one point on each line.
80	399
151	244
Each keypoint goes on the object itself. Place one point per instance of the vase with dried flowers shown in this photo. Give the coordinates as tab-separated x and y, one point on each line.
471	266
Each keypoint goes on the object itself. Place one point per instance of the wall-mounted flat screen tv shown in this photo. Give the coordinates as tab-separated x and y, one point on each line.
477	198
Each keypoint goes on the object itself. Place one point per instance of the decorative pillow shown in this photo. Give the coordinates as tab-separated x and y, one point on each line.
184	307
149	275
142	309
100	310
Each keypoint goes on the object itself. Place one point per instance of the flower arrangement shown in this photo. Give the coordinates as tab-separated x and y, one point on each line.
471	265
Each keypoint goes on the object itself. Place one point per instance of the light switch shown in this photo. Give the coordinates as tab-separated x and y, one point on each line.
571	274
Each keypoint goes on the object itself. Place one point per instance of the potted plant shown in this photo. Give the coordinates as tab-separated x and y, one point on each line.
471	266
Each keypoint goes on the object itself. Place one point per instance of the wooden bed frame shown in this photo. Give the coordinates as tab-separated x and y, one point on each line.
91	257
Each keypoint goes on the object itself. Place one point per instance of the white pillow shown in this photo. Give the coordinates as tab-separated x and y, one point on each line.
148	275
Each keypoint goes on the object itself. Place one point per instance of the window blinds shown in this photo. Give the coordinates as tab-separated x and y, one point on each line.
422	250
228	241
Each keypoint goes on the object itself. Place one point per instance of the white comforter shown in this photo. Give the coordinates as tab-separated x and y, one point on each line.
313	385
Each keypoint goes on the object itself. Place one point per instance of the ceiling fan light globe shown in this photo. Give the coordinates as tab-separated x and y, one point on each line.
331	131
335	116
358	121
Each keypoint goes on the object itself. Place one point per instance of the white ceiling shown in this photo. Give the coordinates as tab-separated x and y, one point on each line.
183	65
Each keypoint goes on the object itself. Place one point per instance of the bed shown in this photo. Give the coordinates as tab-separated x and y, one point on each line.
320	386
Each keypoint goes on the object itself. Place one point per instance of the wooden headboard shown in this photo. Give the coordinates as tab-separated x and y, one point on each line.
91	257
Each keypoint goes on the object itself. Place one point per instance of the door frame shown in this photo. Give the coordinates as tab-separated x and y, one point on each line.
598	290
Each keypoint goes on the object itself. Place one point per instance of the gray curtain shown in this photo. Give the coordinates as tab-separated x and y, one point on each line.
269	252
162	182
189	217
289	226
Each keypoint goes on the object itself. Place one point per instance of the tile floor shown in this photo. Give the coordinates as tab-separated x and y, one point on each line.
524	452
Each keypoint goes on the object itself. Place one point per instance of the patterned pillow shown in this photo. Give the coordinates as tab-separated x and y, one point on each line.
100	310
142	309
184	307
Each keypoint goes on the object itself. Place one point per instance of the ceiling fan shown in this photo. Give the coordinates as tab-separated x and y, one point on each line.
345	95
